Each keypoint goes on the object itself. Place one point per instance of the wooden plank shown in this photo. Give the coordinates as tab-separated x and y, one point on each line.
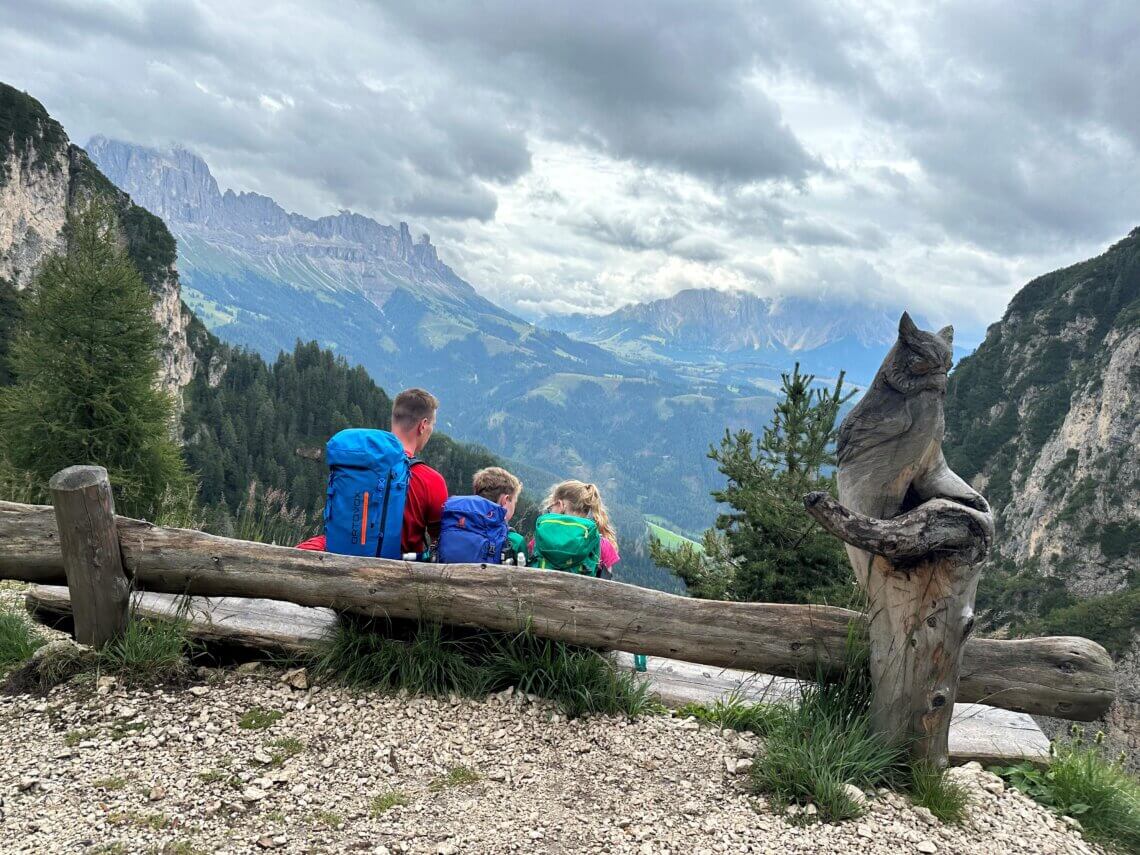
678	683
977	732
272	626
1064	677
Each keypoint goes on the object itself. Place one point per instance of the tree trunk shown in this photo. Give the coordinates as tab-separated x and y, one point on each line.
89	543
920	588
1064	677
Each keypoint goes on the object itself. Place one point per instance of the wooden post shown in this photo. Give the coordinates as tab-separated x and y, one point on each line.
89	541
915	533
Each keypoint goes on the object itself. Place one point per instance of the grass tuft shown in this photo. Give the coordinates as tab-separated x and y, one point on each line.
388	800
1083	783
327	817
282	749
457	776
74	737
257	718
365	654
180	847
580	680
121	730
18	640
735	713
431	659
932	789
824	742
112	783
150	651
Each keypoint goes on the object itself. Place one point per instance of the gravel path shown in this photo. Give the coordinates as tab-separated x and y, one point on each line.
102	768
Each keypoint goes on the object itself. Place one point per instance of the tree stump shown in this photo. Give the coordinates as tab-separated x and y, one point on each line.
915	532
89	541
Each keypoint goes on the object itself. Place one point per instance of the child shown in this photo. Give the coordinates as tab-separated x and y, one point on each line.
497	485
576	499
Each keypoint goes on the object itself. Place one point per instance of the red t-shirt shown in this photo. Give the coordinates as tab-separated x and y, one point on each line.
423	508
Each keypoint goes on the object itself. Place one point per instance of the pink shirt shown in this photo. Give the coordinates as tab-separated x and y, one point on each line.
609	555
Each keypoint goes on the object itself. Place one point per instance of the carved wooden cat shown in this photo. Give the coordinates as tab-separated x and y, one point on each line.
890	444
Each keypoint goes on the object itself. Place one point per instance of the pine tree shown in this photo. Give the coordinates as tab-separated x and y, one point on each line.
85	362
9	320
766	548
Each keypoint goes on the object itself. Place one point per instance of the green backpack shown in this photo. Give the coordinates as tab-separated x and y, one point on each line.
563	542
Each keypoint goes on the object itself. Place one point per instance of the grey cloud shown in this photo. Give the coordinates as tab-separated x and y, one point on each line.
467	202
627	229
699	248
1022	117
654	82
391	150
179	24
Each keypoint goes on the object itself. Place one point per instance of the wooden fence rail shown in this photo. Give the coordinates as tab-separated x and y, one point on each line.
1064	677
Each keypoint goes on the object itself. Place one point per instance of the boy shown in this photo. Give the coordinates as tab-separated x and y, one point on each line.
497	485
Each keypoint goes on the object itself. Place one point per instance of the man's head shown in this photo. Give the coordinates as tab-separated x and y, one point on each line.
497	485
413	418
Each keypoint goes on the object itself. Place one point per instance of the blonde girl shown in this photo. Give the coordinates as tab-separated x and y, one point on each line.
578	499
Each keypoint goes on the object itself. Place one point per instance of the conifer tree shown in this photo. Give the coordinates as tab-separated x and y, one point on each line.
766	548
85	362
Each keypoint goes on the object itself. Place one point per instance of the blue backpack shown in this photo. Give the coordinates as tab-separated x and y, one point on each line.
368	484
474	531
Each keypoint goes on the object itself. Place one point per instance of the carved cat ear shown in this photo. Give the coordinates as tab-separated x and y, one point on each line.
907	328
947	334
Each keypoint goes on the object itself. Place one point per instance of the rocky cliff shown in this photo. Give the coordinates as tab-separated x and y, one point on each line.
1045	419
43	178
340	251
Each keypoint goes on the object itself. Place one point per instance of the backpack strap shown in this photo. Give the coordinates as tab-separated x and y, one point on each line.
414	461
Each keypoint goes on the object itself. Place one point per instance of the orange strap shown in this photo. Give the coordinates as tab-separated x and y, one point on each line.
364	521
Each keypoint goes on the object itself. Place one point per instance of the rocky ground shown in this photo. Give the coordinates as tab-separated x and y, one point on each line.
248	763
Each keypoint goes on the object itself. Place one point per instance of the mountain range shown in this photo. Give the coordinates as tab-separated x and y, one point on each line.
737	335
611	410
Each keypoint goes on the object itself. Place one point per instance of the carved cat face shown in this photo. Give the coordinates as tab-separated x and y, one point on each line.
920	360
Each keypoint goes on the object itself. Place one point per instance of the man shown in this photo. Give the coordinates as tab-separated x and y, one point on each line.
413	420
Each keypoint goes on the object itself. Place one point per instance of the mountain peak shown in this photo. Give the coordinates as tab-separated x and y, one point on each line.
175	184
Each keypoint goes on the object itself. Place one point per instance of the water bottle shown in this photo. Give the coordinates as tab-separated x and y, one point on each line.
640	662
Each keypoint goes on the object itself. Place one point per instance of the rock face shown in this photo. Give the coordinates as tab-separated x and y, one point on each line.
42	179
1045	419
33	209
344	250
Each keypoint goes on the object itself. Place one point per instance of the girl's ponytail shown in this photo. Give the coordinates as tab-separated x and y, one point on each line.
599	513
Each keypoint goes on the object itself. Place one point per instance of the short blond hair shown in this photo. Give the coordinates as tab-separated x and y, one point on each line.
494	482
412	406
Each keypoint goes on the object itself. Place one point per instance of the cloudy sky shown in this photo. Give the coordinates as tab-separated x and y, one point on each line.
581	155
